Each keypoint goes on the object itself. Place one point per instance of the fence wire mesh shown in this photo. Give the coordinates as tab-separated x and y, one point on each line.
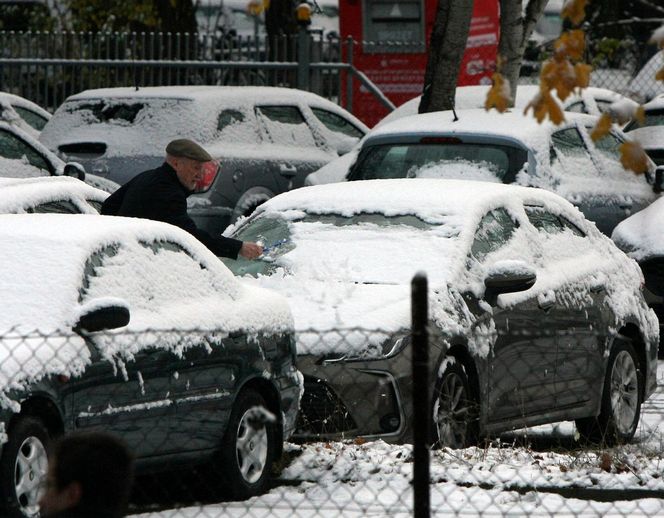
539	423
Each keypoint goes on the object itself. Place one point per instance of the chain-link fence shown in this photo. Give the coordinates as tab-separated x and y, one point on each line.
530	418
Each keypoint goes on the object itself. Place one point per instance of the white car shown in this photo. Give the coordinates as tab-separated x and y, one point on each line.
49	194
592	100
21	112
529	304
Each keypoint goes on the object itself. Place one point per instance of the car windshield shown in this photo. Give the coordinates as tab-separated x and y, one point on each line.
362	248
495	162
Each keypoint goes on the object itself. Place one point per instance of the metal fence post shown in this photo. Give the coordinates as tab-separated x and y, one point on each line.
421	415
349	74
303	55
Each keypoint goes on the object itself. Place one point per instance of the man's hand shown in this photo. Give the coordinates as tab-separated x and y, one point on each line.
251	250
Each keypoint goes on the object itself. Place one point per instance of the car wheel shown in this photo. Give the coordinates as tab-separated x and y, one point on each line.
455	409
621	398
249	200
23	466
249	448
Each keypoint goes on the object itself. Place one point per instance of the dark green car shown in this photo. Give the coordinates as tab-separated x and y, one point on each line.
133	327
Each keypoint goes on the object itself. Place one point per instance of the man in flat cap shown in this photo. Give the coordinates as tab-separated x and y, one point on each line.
161	194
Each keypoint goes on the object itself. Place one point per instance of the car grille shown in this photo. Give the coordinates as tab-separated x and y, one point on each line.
321	411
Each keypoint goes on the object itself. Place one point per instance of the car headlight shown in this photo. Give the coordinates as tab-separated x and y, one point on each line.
390	347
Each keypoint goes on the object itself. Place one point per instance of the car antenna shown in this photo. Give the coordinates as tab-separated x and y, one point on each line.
453	110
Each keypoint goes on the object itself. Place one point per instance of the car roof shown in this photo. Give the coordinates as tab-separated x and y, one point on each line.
513	124
429	199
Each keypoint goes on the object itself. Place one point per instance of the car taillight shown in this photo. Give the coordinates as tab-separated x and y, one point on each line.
210	170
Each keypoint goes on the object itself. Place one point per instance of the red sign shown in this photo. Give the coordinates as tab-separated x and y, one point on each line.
392	40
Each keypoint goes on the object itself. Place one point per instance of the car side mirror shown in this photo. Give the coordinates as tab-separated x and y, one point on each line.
507	277
102	314
658	184
75	170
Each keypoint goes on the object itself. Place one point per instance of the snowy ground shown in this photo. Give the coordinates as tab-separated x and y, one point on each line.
536	472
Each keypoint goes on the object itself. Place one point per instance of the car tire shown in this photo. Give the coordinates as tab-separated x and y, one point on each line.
622	395
455	409
249	201
249	447
23	467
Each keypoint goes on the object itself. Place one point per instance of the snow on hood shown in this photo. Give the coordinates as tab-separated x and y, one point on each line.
42	269
352	274
18	194
641	235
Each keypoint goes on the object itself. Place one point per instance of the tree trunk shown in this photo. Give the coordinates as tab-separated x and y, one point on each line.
446	49
515	30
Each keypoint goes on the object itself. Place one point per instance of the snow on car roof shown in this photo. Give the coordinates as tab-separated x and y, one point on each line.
18	193
641	235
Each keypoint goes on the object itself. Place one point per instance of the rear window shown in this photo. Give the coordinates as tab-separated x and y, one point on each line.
412	160
103	111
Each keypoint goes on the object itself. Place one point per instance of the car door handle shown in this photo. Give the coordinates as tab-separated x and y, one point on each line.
287	170
598	288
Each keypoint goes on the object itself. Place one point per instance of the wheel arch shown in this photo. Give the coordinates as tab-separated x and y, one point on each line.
271	395
250	199
45	409
458	349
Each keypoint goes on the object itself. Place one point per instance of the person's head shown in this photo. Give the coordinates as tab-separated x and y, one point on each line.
89	474
187	158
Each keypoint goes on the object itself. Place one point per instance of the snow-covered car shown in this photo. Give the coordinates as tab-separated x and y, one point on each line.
641	237
512	148
650	133
22	156
535	316
21	112
591	100
134	327
265	139
50	194
644	85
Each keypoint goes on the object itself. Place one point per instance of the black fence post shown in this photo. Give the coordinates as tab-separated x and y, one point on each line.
421	414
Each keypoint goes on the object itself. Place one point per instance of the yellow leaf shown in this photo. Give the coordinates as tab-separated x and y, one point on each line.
498	96
633	157
575	11
571	44
555	112
602	127
544	105
640	115
582	71
660	75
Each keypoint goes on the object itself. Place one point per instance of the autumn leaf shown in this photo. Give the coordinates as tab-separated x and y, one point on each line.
582	71
544	105
633	157
602	127
605	462
498	96
360	441
660	75
571	44
574	11
640	115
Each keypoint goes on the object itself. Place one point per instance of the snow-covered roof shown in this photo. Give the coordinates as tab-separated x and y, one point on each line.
641	235
17	194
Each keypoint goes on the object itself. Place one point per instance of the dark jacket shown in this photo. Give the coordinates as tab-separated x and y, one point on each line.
158	194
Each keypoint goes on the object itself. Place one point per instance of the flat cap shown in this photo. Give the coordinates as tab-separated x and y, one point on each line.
185	148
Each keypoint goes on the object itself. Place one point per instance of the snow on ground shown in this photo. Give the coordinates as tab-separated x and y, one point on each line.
349	479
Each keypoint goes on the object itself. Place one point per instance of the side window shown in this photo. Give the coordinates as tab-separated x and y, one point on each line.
95	205
603	106
577	107
493	232
286	125
58	207
92	268
13	147
545	221
571	152
336	123
228	118
609	146
34	119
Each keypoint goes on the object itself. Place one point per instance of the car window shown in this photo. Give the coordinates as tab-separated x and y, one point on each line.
116	111
228	118
95	205
92	266
545	221
603	106
571	152
494	231
58	207
286	125
13	147
34	119
609	146
577	107
336	123
652	118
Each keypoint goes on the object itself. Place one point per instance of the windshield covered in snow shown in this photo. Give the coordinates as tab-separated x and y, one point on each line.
363	248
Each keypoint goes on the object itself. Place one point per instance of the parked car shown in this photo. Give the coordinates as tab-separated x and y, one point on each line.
593	101
641	237
134	327
22	156
650	133
535	316
59	194
265	139
25	114
512	148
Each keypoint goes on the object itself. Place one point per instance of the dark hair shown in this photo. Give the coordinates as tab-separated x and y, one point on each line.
103	466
